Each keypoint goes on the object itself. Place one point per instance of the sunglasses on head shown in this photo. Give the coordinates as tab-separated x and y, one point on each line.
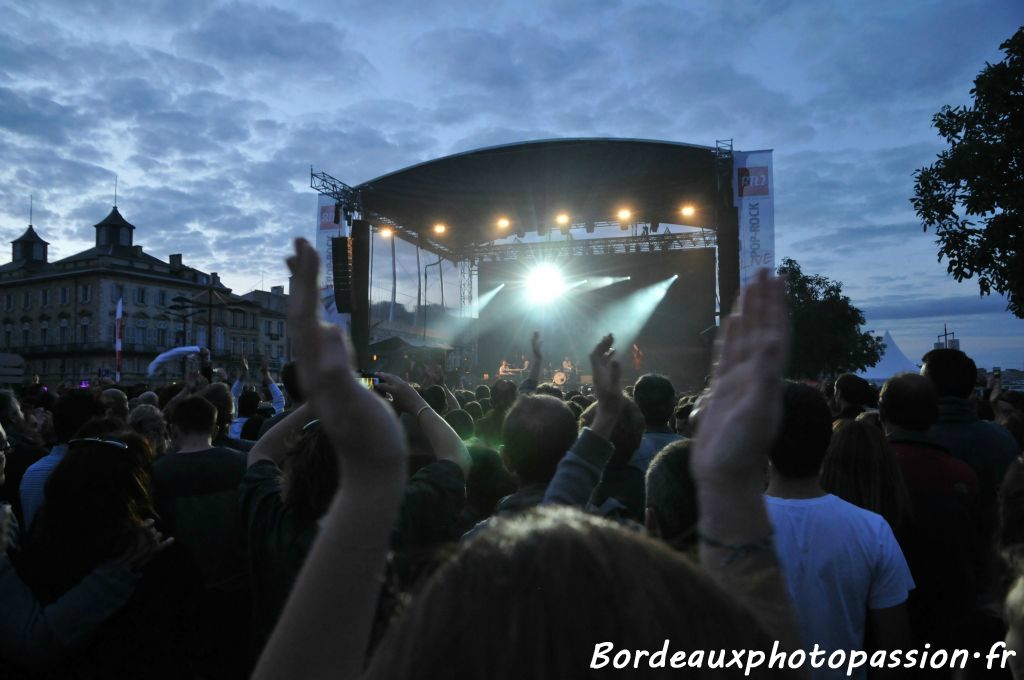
87	441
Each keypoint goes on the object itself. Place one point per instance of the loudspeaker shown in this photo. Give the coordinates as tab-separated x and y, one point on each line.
341	274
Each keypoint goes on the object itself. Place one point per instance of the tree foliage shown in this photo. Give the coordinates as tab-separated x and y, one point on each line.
972	196
827	339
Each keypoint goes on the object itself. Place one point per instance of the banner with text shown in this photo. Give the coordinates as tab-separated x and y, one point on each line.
326	230
754	192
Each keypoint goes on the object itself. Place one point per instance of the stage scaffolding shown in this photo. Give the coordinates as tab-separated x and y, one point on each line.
642	238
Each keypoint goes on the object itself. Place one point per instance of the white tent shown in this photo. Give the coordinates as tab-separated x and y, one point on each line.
893	361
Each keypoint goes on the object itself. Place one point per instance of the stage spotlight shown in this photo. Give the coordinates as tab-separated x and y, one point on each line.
440	228
385	232
624	214
562	219
503	223
544	284
688	211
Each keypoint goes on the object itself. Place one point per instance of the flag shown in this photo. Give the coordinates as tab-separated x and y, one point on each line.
118	336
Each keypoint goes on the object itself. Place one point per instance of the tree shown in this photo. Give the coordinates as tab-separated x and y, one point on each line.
972	195
827	339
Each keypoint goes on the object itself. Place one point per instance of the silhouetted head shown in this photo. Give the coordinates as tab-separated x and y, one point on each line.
805	432
538	432
953	372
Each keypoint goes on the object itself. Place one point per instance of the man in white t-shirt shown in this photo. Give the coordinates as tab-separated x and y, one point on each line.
843	567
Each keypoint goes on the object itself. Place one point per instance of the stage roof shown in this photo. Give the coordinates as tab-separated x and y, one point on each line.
530	183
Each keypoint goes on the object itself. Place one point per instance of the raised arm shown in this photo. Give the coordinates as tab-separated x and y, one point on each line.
325	627
274	442
580	470
443	439
737	427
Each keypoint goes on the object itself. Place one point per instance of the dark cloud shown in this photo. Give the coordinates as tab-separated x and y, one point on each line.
941	307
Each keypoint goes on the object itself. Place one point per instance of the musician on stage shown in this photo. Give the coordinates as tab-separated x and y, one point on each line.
505	369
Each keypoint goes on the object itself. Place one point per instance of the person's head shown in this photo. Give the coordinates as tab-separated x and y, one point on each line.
116	403
462	422
805	432
549	389
682	416
538	432
10	410
219	394
309	474
96	497
629	428
485	404
193	417
852	391
582	401
953	372
100	427
503	395
564	581
908	402
656	398
435	397
72	409
290	380
862	469
474	409
148	397
488	481
671	503
483	392
148	421
248	402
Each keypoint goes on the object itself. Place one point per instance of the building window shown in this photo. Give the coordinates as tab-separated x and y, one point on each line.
44	334
26	334
201	336
162	298
161	337
44	297
63	331
8	302
218	338
266	351
83	329
234	345
7	335
280	328
116	292
85	292
266	326
26	300
140	295
65	295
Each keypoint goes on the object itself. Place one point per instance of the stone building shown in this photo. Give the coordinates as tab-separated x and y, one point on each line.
60	316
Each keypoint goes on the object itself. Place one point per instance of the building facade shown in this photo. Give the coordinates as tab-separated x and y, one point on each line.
61	316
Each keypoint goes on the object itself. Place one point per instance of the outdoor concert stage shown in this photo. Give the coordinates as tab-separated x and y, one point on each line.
596	211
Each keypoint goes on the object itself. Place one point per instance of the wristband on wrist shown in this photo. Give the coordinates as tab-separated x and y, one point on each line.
736	550
421	410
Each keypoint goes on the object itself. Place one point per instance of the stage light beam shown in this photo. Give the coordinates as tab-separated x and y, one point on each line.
385	232
562	219
624	215
503	223
688	211
440	228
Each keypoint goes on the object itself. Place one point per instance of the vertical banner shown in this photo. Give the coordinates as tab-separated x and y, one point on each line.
754	197
118	337
326	231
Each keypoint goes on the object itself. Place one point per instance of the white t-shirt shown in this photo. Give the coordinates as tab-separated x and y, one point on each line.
838	560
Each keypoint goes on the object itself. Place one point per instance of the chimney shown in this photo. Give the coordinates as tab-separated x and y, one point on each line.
176	261
277	290
136	251
214	279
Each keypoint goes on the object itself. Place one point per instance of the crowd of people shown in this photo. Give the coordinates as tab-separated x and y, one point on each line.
222	527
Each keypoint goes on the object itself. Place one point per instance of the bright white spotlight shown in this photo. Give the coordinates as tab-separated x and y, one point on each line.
385	232
544	284
688	211
624	215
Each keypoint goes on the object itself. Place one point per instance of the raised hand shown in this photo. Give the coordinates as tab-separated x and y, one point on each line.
607	386
740	417
404	396
361	426
536	344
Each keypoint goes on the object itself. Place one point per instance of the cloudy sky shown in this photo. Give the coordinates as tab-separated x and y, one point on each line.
211	115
